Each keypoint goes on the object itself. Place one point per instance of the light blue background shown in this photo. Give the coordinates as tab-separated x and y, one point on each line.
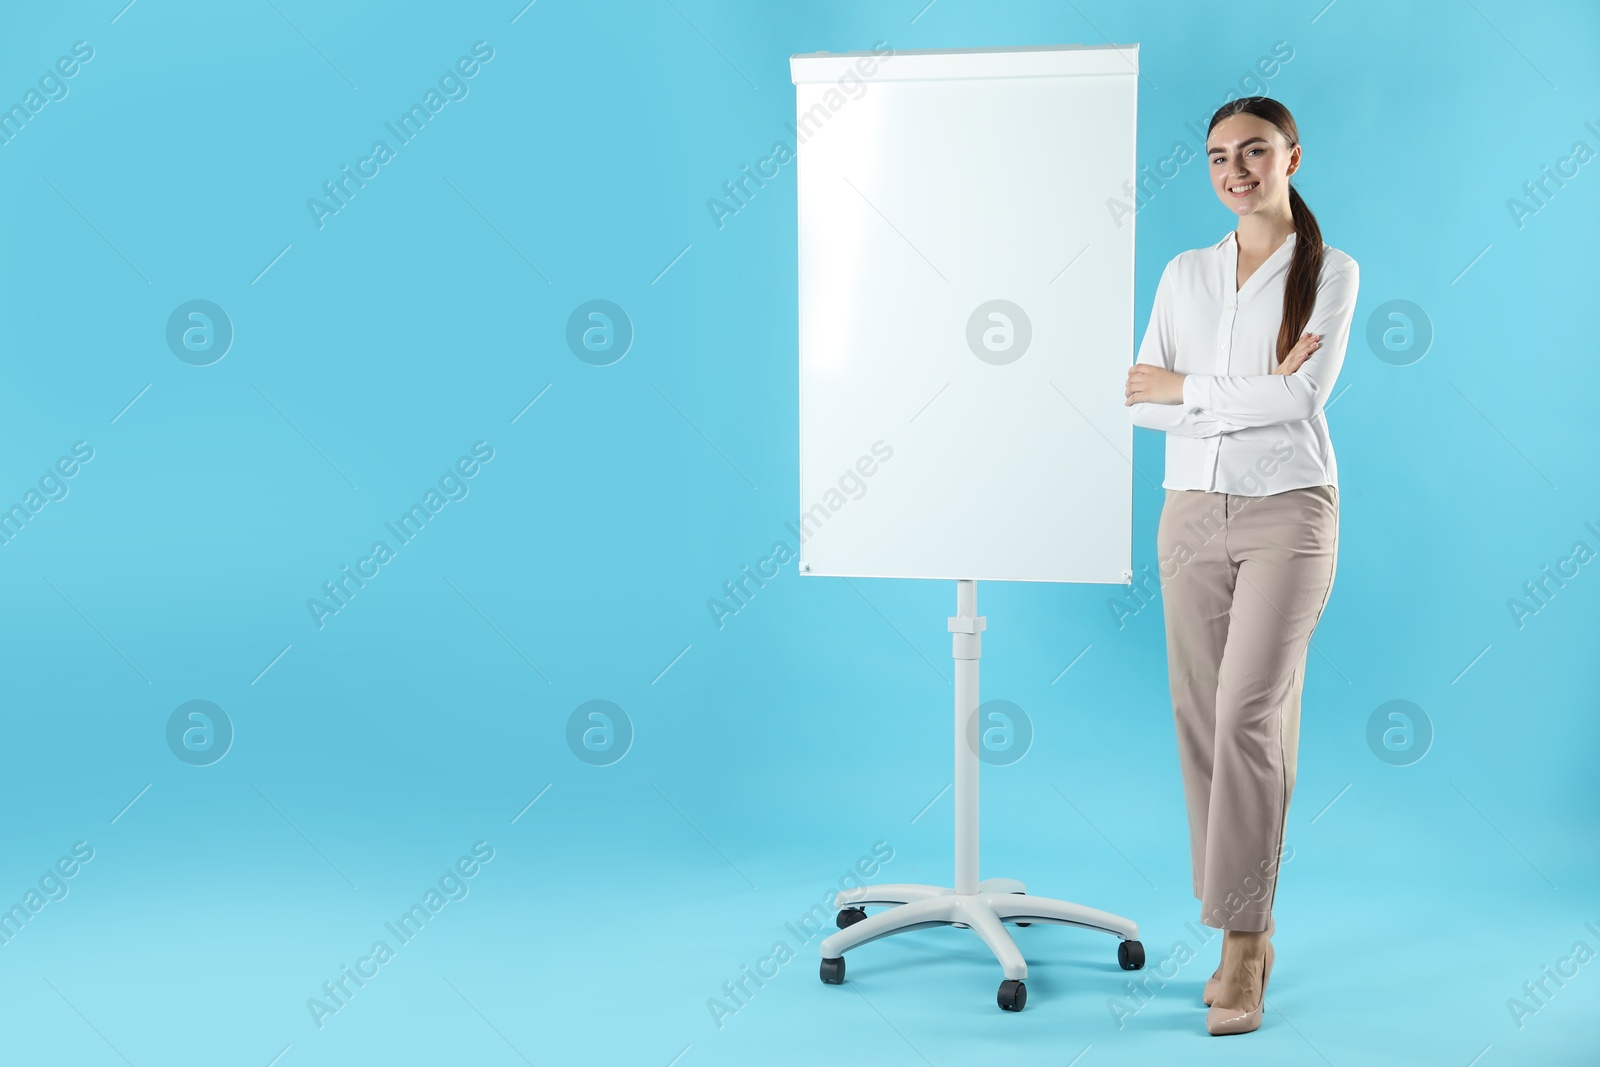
770	754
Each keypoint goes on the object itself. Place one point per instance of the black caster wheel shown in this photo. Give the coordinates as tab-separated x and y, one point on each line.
849	917
1022	895
833	971
1013	995
1130	954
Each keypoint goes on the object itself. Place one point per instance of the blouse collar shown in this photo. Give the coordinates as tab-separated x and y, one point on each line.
1229	247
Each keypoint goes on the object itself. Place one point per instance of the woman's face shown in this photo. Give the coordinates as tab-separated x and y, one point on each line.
1247	152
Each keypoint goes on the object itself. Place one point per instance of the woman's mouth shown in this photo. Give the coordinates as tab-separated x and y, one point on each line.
1243	189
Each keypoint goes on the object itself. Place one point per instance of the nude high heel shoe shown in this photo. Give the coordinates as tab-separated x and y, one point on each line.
1214	983
1232	1021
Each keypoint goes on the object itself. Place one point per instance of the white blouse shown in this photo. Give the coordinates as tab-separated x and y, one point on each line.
1242	429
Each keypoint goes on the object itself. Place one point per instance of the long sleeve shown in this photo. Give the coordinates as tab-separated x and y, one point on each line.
1268	399
1159	349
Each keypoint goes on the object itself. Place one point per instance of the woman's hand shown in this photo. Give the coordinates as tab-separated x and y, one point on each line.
1302	351
1153	385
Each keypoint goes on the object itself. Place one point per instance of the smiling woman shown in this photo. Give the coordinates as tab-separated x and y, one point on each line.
1239	358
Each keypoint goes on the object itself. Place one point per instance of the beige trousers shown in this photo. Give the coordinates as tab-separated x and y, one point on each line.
1243	580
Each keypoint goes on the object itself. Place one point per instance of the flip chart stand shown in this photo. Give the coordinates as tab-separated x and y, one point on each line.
984	907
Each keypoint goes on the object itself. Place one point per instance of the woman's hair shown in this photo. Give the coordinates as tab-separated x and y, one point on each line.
1300	290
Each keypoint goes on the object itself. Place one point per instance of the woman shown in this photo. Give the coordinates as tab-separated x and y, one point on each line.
1240	356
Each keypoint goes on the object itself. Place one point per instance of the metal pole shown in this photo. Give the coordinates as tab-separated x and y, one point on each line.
966	628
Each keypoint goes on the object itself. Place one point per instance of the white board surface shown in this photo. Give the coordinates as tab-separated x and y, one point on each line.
966	240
